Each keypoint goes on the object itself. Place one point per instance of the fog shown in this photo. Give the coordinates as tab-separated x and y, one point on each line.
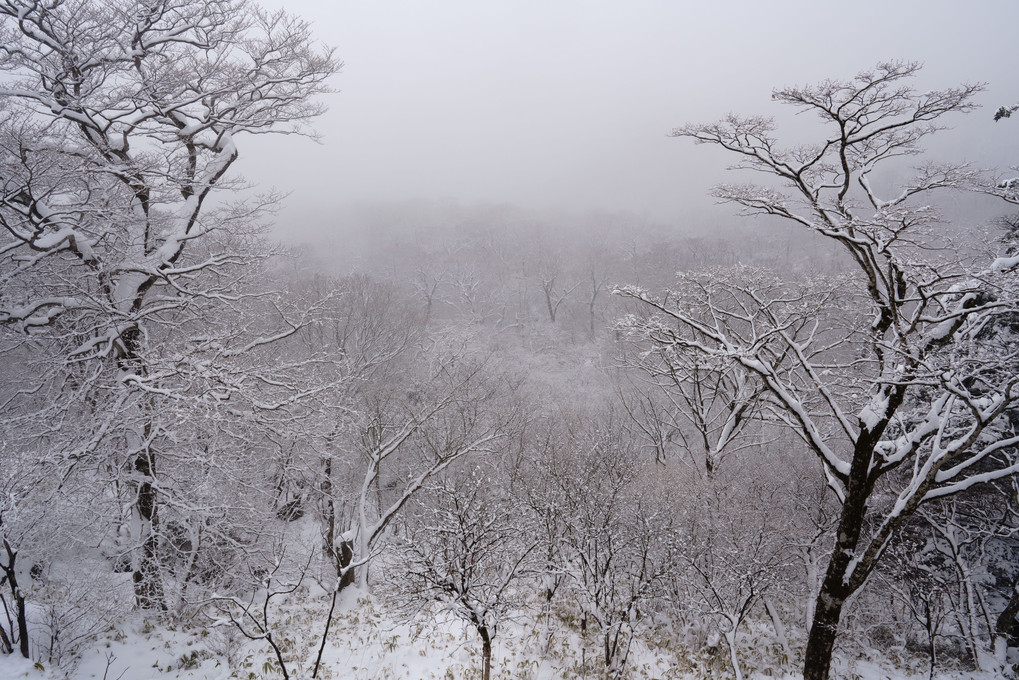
568	105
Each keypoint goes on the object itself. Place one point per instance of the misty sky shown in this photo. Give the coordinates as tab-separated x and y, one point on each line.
567	105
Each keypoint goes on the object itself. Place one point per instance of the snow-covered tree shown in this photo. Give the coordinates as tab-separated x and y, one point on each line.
466	549
711	405
123	285
599	508
731	538
405	434
908	403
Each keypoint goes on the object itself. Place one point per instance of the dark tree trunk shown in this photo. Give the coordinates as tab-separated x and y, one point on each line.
325	634
329	511
709	464
5	642
836	587
343	560
19	599
486	653
147	589
342	552
1005	624
551	307
821	641
22	625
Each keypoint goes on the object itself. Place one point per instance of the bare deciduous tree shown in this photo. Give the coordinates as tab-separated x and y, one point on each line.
404	440
118	121
613	547
731	542
919	412
467	548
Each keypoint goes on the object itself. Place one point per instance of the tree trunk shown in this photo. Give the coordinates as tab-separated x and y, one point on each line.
810	567
843	578
342	554
5	642
19	599
147	589
343	559
730	642
821	641
835	591
932	647
548	303
776	621
325	633
22	624
486	653
1005	623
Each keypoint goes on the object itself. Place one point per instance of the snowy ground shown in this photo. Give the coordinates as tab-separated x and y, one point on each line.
367	644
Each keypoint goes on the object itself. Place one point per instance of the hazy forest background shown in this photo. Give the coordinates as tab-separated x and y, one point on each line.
429	437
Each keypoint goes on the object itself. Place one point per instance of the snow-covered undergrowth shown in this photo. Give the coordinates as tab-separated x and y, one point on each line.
370	640
391	634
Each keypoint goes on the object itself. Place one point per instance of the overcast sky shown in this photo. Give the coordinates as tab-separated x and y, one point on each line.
567	104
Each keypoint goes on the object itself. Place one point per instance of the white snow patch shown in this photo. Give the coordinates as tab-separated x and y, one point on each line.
874	412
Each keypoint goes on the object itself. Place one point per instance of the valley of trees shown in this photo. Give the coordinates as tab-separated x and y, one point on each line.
787	442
